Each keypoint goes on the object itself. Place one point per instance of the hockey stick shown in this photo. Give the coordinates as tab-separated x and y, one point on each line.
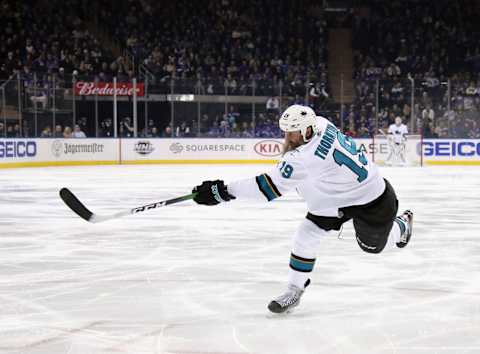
383	133
76	205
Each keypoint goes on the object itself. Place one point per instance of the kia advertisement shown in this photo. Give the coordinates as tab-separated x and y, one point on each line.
270	148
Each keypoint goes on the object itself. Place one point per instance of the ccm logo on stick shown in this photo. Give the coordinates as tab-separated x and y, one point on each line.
17	149
451	148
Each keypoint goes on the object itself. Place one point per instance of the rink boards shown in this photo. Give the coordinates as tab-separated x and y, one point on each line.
64	152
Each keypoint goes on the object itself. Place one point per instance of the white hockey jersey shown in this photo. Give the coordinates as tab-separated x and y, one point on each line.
398	132
328	172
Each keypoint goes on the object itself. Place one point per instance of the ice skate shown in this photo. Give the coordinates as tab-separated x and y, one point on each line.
407	218
289	300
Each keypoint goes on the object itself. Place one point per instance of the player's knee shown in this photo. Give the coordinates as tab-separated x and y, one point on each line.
308	237
306	242
369	246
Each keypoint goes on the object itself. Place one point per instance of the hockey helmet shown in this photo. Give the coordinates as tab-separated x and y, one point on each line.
298	118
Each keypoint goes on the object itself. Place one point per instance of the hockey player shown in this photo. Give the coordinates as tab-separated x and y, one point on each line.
397	136
338	184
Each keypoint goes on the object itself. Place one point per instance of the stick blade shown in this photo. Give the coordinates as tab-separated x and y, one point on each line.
74	204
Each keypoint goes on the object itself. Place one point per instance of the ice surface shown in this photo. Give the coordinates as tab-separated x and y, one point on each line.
192	279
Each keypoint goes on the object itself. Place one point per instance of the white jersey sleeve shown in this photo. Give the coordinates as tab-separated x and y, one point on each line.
288	174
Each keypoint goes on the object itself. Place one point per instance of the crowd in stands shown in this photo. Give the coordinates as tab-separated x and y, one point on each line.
50	40
431	44
225	44
230	125
66	131
262	47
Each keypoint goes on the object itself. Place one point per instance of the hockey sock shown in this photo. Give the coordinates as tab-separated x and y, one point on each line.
305	246
300	269
399	228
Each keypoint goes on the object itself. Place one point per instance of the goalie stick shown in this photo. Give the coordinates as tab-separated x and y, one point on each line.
76	205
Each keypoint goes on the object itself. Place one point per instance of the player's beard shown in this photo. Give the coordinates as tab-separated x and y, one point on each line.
289	146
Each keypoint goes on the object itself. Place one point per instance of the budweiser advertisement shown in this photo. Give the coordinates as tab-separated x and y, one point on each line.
84	88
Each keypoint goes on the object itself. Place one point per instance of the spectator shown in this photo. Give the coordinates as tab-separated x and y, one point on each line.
106	128
39	96
214	130
82	122
67	133
225	131
46	132
428	114
351	131
393	70
10	132
363	132
273	105
126	129
428	130
183	130
17	132
318	95
59	133
145	133
474	131
155	133
77	132
232	115
167	132
248	130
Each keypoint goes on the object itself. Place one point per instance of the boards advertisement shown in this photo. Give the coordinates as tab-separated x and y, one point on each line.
61	152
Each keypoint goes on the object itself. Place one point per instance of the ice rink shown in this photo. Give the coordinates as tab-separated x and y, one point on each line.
195	280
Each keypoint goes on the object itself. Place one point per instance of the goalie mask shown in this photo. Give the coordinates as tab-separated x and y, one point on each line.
298	118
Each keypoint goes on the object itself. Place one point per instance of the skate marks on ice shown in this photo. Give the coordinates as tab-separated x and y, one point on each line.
192	279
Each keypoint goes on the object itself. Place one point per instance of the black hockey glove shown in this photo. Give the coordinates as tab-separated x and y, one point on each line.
212	193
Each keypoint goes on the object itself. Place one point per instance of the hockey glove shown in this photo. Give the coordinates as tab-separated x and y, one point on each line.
212	193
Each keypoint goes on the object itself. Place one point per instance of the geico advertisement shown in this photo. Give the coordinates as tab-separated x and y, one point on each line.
17	149
45	150
455	149
201	149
